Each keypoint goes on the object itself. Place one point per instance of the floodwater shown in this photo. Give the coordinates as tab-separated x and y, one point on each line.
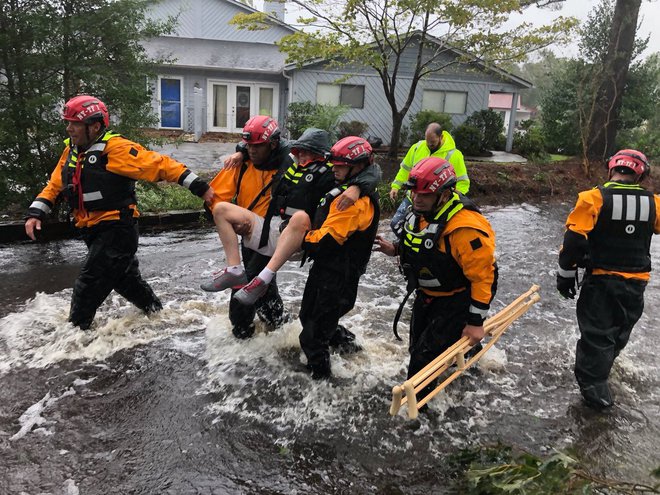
174	404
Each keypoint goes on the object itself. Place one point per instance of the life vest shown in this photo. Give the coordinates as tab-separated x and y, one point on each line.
621	239
422	263
298	189
357	249
101	190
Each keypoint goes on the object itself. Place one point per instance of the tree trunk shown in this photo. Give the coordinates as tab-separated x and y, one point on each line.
604	122
397	121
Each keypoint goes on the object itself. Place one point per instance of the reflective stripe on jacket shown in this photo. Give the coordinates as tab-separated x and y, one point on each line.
452	253
626	210
446	151
124	158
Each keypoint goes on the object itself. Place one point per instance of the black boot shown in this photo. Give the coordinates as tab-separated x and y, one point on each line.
597	396
243	333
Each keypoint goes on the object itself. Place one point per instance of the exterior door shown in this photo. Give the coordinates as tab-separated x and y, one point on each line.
170	103
232	103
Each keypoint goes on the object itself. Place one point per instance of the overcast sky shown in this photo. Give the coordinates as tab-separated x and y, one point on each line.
649	16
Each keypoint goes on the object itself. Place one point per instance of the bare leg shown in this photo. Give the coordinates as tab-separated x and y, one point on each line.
290	240
228	218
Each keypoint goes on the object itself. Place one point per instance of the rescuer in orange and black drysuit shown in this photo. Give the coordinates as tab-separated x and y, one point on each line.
96	174
249	186
609	232
447	254
295	187
340	244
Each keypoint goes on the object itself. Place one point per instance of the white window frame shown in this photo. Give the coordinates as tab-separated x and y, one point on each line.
231	101
339	88
444	100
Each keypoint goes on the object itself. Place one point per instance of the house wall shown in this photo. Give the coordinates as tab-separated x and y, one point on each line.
377	113
205	48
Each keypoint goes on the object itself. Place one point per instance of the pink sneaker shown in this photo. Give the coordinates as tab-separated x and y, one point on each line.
249	294
224	280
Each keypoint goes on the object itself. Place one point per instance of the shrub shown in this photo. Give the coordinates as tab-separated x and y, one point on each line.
491	126
352	128
468	139
304	114
530	144
404	136
422	119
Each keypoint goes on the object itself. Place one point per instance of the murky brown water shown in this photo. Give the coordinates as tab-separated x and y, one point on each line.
175	405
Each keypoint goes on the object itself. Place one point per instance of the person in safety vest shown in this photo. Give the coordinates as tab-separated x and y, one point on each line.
447	254
438	143
291	187
340	243
96	174
608	232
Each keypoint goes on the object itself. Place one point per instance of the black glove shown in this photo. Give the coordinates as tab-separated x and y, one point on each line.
566	286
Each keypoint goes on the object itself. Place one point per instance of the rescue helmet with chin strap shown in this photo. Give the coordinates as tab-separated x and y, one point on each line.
260	129
629	161
87	109
350	151
431	175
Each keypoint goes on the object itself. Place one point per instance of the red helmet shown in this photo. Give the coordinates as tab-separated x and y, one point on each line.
431	175
260	129
630	159
87	109
351	150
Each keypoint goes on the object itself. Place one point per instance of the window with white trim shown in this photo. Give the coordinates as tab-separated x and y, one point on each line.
444	101
351	95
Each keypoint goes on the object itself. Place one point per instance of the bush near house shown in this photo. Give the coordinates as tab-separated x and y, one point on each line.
352	128
530	143
304	114
491	126
468	139
422	119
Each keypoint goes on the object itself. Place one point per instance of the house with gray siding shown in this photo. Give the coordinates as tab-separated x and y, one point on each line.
221	75
459	89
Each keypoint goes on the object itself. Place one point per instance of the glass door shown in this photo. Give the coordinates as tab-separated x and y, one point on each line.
232	103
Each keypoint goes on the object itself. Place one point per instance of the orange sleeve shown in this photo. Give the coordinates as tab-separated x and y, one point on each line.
341	224
133	160
584	215
474	251
656	227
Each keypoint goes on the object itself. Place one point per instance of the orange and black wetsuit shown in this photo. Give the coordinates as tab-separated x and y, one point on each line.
449	258
609	232
340	244
250	187
99	184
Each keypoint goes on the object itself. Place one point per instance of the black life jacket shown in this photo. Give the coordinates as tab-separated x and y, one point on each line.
621	239
298	189
101	190
422	263
356	251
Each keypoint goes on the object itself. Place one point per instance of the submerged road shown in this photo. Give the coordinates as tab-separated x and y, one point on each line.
174	404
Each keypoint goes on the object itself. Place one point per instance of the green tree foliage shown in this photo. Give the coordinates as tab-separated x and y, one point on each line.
423	118
567	97
405	39
50	51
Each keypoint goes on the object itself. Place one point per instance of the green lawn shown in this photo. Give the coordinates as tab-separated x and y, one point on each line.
559	158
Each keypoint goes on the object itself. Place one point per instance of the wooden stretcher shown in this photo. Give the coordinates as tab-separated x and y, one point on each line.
494	327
